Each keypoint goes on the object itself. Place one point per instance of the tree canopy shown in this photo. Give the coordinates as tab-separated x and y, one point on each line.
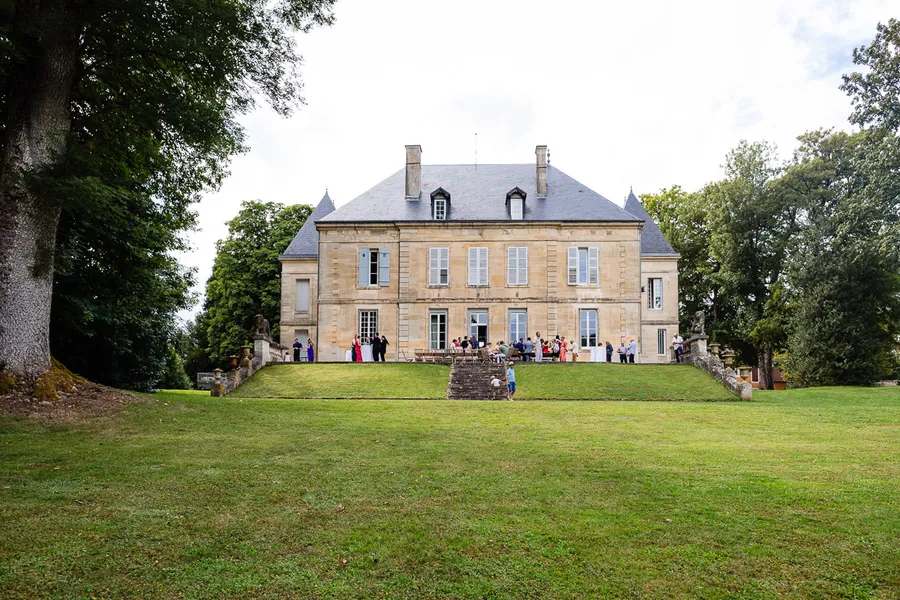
803	258
108	104
246	278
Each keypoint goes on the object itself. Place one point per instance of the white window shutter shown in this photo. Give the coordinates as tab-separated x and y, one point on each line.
473	266
444	270
433	266
384	266
594	266
483	266
511	262
363	267
523	266
573	266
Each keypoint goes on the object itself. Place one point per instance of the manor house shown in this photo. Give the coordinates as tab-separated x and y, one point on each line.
436	252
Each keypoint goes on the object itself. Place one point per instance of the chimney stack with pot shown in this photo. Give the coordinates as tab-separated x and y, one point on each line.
541	153
413	171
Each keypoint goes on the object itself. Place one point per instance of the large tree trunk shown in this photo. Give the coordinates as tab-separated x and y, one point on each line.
765	367
38	91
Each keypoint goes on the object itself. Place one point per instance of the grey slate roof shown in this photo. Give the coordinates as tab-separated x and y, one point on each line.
479	194
652	239
306	243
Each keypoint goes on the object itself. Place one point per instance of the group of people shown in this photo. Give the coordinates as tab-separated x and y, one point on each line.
626	353
535	349
466	343
379	345
310	350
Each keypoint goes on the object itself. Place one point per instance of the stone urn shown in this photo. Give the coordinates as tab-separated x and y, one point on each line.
233	362
744	370
714	349
728	357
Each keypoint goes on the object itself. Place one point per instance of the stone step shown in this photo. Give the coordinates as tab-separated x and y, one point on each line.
471	380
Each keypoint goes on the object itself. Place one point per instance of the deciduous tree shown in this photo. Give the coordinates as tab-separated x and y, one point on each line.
246	278
156	84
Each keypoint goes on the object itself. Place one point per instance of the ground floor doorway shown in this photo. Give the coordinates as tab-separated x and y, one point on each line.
478	325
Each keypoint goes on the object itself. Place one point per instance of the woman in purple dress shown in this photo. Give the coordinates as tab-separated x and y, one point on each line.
310	352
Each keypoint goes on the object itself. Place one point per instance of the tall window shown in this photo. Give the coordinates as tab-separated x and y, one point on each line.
440	209
302	300
374	267
478	266
517	266
518	324
655	295
368	324
516	208
438	266
661	342
437	330
588	328
584	266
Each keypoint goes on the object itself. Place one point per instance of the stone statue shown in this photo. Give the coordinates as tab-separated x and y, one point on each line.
261	325
698	324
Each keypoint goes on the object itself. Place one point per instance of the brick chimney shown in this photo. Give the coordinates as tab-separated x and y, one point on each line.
413	171
541	153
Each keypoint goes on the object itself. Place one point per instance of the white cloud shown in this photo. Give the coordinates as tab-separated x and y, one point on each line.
647	94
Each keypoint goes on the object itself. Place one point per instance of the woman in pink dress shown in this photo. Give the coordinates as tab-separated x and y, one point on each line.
562	349
357	349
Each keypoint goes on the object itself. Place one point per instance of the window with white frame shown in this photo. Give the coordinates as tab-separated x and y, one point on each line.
655	293
589	328
584	266
437	330
516	208
518	324
440	209
478	266
661	342
368	324
438	266
302	291
517	265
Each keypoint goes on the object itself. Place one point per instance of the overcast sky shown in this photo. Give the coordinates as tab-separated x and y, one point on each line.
643	94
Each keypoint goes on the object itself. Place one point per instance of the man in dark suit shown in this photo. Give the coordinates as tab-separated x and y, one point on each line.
383	347
376	346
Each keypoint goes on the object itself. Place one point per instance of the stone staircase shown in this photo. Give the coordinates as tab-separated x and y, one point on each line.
470	380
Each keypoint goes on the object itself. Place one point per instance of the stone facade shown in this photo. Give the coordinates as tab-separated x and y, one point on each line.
551	305
403	304
658	326
298	275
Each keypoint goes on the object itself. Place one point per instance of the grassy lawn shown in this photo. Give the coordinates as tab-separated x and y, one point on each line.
794	495
367	380
624	382
551	381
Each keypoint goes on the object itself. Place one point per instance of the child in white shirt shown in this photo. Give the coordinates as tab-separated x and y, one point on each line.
495	387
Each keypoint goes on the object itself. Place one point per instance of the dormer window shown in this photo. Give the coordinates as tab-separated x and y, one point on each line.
440	204
516	209
515	200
